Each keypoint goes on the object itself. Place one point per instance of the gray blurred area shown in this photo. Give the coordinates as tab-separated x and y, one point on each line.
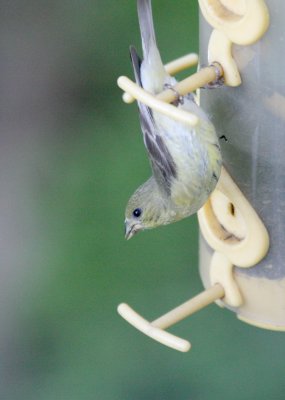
71	153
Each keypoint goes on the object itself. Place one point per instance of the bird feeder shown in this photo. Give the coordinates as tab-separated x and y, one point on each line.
251	116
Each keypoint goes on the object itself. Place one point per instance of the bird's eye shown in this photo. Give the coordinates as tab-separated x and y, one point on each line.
137	212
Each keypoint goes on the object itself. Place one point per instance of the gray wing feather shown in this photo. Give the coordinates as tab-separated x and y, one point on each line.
162	163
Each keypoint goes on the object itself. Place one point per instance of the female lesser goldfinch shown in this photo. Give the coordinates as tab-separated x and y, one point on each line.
186	161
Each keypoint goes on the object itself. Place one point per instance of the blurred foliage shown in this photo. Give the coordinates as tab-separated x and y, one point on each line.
71	154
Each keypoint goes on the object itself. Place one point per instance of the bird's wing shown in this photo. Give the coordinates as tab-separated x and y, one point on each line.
163	166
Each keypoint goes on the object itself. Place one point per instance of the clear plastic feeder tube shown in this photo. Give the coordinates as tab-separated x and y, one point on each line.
251	121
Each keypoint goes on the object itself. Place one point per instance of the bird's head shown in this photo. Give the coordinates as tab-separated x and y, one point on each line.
134	221
146	209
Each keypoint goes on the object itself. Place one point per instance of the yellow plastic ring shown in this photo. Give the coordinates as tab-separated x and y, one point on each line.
243	21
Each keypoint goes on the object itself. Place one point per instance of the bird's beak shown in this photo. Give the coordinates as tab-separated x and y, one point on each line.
131	229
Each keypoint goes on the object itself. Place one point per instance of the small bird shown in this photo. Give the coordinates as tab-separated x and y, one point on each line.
186	161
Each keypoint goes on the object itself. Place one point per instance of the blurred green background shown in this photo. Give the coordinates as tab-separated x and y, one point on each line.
71	153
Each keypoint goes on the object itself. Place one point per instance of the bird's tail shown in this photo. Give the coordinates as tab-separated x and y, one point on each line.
146	26
152	73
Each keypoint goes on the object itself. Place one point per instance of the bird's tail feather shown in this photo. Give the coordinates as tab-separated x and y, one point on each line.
146	25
